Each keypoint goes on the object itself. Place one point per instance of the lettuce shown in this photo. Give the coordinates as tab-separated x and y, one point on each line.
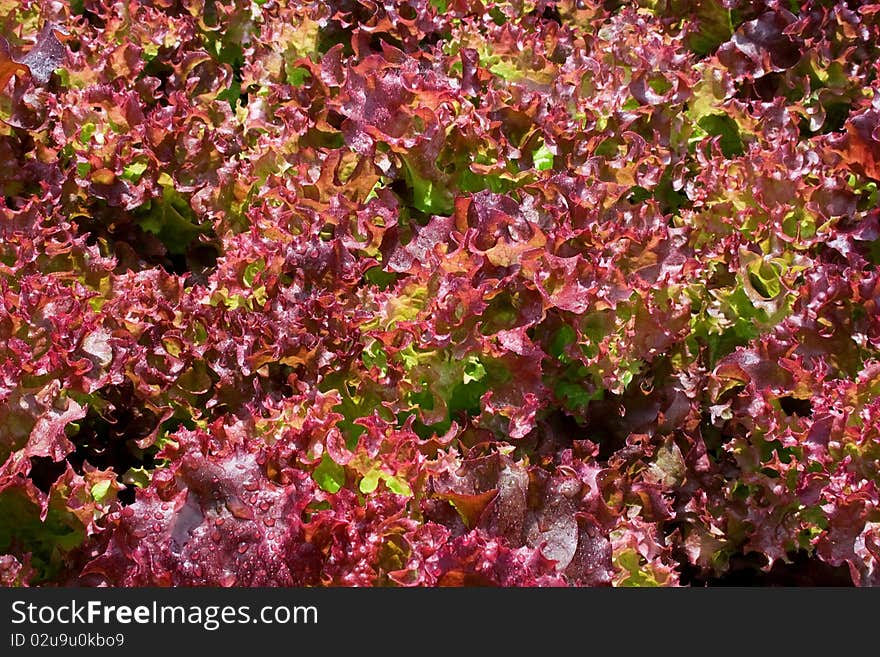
432	293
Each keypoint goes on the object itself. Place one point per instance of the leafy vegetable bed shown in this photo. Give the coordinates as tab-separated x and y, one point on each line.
439	293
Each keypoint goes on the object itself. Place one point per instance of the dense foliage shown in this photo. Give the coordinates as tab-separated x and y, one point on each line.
439	292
